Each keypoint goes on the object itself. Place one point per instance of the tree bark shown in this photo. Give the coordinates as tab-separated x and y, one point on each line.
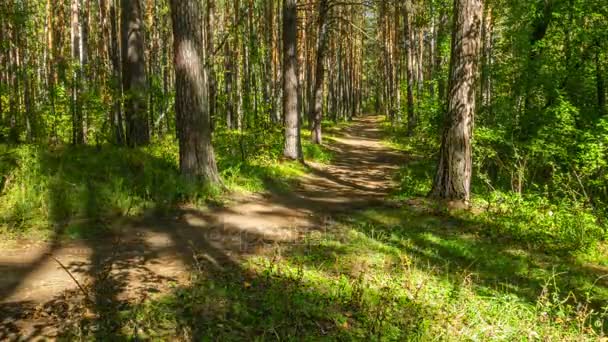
114	52
134	74
293	146
411	115
316	102
77	128
209	30
196	155
228	75
453	179
486	66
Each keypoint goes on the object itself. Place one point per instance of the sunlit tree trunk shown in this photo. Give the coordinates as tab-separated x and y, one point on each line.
293	146
210	40
411	117
229	75
77	127
453	179
134	74
486	61
196	155
114	56
316	103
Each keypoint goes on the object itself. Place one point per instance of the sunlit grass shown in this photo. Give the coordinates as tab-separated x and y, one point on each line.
77	189
387	274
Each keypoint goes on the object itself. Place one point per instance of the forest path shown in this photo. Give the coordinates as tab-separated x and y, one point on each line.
151	255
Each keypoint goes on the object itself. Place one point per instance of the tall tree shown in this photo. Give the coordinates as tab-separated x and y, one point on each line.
411	116
114	57
453	179
316	102
196	155
76	40
293	145
134	73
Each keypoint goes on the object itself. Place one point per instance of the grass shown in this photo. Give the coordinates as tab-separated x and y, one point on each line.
79	191
513	269
385	274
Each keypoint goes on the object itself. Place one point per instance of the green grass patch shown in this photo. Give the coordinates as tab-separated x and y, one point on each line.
78	191
384	274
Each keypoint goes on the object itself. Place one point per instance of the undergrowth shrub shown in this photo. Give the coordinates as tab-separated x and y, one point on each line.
53	187
539	222
557	214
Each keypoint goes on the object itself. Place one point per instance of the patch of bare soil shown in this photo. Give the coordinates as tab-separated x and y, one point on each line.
40	283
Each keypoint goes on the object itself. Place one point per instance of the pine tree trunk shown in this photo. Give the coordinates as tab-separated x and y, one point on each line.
293	147
411	116
134	74
197	158
209	28
228	75
453	179
114	52
76	27
316	103
486	64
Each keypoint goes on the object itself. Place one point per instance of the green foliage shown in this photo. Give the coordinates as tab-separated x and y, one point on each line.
58	188
542	217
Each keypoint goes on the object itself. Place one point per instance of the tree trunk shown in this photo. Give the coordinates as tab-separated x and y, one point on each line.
196	156
411	115
209	30
134	74
601	87
77	136
453	179
84	74
228	75
114	52
486	64
316	103
293	146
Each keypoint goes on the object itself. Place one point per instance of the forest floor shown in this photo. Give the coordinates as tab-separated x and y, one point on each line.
147	257
339	254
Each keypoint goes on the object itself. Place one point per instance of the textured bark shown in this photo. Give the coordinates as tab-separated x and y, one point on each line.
114	52
228	75
76	44
316	102
210	39
439	59
84	73
453	179
486	66
411	115
134	74
293	146
196	155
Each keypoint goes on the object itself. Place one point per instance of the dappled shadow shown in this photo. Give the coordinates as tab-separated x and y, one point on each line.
455	244
113	265
207	260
